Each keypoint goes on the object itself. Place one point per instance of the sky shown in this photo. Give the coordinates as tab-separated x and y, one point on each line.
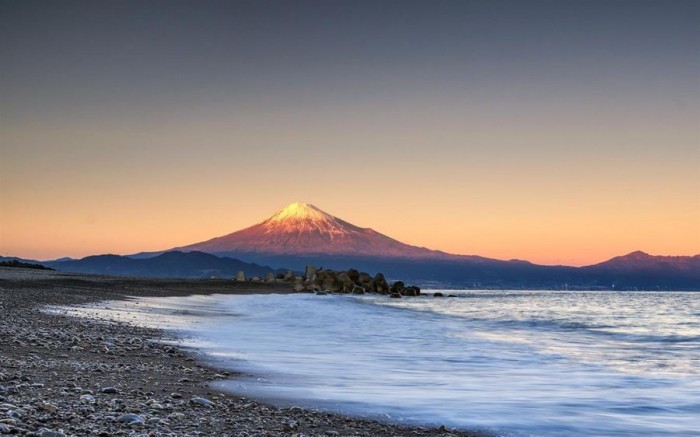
561	132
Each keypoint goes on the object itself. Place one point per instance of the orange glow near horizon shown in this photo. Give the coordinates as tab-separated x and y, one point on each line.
547	237
520	197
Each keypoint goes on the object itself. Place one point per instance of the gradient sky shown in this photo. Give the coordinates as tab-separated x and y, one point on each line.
554	131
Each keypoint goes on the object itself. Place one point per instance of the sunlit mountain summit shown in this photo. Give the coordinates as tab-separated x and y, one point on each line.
302	228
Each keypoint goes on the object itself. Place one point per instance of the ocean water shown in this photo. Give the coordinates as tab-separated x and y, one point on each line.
518	363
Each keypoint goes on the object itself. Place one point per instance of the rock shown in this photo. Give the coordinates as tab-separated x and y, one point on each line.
398	287
358	290
395	295
310	274
451	295
202	401
4	429
291	425
131	419
50	433
364	279
321	293
176	395
348	283
382	286
354	275
438	294
240	276
329	281
370	287
51	408
321	276
109	390
176	416
90	399
411	291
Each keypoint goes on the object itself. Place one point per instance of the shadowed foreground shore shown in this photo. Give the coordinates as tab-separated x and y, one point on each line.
65	376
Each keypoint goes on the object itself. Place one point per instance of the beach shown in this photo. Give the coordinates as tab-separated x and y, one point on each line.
61	375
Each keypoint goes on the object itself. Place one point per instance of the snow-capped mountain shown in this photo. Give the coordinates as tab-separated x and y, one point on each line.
301	228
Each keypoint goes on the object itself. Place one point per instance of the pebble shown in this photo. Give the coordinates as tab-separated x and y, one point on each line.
51	408
4	429
202	401
90	399
176	416
110	390
50	433
131	419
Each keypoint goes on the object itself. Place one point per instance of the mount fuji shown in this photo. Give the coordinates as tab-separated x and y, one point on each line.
303	229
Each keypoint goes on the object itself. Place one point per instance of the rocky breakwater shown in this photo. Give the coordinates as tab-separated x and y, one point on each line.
351	281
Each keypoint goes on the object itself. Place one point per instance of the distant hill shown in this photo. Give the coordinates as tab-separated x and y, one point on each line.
23	265
639	260
22	260
641	270
167	265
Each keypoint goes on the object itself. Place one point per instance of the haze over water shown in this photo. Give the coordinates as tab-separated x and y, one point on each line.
540	363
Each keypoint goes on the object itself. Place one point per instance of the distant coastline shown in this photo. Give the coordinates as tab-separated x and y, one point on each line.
635	271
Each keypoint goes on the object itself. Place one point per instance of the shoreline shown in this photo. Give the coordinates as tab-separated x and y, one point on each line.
76	376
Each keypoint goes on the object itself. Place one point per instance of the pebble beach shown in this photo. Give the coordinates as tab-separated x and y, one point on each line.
67	376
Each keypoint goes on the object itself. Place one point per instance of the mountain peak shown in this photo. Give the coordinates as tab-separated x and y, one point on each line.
638	254
302	228
299	211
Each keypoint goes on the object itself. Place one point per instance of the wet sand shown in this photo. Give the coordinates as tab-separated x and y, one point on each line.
61	375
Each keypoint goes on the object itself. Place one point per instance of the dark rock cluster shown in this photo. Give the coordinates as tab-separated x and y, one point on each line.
351	281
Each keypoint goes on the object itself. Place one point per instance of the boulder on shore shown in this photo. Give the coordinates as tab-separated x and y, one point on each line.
310	274
397	287
351	281
411	291
358	290
381	285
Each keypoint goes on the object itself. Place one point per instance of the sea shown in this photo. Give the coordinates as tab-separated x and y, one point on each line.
514	363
